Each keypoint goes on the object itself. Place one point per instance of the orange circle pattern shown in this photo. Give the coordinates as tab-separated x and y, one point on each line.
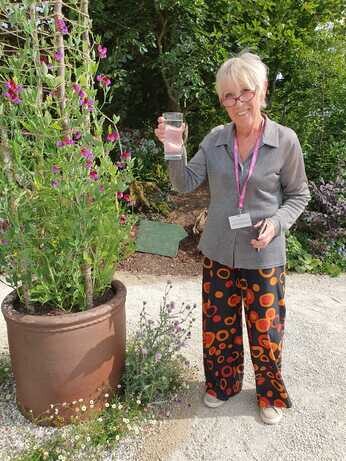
224	290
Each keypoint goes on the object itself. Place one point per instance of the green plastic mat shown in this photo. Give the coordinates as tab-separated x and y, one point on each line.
159	238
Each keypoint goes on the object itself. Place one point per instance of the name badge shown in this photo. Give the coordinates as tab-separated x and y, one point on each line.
240	220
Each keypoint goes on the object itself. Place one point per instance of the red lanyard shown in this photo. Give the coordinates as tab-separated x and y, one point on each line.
242	192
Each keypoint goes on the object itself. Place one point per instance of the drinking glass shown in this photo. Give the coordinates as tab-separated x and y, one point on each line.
173	135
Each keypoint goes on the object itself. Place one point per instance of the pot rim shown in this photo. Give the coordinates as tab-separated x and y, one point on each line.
65	320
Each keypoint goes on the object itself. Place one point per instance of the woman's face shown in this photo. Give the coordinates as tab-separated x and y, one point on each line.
243	114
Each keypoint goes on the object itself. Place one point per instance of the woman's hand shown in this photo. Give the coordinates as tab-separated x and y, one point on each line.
160	130
264	237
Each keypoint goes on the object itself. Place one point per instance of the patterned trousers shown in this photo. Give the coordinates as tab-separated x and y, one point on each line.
262	292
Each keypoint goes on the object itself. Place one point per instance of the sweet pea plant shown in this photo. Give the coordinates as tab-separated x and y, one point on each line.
64	218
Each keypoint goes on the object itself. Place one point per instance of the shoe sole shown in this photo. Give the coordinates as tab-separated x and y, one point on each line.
213	404
271	421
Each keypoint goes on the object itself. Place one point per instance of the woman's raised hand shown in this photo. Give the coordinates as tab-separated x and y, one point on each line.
160	130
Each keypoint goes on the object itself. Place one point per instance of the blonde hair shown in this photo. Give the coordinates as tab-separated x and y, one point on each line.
245	69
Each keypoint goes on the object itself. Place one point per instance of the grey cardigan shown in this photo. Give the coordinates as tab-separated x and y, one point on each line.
277	190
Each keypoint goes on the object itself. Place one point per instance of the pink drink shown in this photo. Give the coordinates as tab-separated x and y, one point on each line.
173	135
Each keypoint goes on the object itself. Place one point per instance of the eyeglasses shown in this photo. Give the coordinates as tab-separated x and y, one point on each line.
229	100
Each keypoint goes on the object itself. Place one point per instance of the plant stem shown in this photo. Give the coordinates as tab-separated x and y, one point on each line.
88	285
59	41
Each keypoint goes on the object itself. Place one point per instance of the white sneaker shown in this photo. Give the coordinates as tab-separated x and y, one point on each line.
211	401
271	415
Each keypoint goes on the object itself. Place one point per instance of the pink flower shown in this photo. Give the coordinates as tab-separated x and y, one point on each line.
126	197
87	103
101	188
55	169
158	356
66	141
86	153
78	90
61	26
13	91
120	165
103	80
89	164
93	175
122	219
125	155
120	195
77	135
58	55
112	137
55	183
102	51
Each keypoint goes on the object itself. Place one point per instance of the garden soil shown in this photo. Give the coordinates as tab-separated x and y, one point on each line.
314	370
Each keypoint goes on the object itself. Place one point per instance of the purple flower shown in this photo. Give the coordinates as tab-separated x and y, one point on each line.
66	141
158	356
58	55
13	91
4	242
55	183
61	26
102	51
87	103
93	175
86	153
89	164
112	137
144	351
120	165
103	80
77	135
125	155
55	169
78	90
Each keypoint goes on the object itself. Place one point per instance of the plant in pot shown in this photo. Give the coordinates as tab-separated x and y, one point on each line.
63	225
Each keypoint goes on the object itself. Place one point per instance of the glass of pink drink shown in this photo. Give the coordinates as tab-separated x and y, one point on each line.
173	145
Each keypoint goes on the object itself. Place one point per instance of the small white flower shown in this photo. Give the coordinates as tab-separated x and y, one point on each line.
125	420
99	420
51	417
91	402
51	405
88	439
120	406
138	402
64	404
106	404
56	411
83	408
136	430
80	400
117	437
77	437
113	405
106	395
74	402
82	446
119	386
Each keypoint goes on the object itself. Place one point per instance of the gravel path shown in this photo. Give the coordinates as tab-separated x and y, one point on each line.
313	367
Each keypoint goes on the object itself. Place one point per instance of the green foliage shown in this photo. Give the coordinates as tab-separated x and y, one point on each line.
59	213
153	365
298	258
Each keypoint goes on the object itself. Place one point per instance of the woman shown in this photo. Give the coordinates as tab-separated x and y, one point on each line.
258	188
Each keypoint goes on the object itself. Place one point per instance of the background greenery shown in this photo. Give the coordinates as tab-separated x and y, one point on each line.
164	56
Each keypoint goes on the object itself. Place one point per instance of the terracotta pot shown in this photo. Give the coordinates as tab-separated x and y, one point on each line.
58	360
